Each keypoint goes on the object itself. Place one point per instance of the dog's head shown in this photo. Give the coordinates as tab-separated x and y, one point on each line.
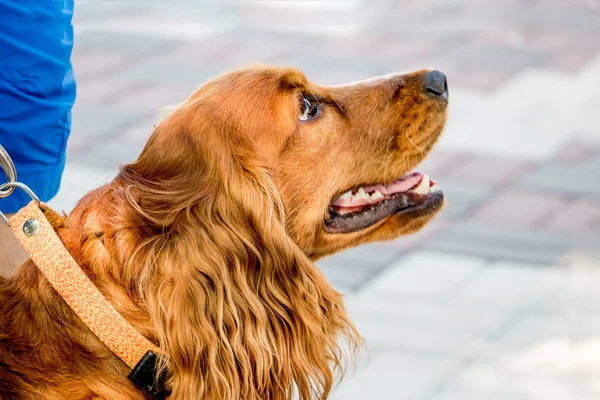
341	158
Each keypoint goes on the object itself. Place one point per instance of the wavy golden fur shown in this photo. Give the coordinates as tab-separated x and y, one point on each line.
206	243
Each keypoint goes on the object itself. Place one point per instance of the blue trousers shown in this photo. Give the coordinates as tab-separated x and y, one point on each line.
37	92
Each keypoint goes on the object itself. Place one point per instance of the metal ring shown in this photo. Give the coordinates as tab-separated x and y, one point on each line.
12	186
9	170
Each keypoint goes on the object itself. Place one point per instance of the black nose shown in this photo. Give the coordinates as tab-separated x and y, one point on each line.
435	83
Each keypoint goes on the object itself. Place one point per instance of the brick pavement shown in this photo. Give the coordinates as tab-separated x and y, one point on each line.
497	299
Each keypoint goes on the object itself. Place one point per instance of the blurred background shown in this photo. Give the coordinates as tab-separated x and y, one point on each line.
499	298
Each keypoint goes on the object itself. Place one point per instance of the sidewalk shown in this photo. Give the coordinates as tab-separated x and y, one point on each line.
498	298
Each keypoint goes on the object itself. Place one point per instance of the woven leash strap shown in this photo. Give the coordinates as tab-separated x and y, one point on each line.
73	285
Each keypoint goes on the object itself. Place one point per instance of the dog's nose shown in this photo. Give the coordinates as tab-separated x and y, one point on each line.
435	83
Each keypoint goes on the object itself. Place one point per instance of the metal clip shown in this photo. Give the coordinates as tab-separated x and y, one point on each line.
11	186
9	170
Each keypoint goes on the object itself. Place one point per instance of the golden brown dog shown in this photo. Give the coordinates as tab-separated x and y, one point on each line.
206	243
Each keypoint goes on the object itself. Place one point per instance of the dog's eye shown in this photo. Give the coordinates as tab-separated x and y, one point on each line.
310	109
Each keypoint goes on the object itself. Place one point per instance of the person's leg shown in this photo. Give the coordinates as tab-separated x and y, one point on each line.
13	255
37	92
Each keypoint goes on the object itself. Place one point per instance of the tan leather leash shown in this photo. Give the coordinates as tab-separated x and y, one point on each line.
34	226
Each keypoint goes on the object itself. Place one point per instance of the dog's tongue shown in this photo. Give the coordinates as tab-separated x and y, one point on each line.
401	185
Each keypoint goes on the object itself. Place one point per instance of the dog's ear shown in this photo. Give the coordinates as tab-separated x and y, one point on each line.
240	310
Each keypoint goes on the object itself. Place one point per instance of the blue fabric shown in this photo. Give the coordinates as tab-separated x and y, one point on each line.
37	92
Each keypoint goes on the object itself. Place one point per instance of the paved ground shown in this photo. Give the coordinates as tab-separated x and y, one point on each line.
498	298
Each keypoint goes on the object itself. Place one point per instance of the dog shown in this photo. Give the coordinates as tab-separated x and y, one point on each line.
206	243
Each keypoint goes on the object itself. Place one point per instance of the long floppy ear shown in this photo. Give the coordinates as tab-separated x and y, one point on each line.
240	310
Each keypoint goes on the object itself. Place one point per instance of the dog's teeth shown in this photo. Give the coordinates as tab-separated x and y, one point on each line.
423	187
436	188
347	195
361	194
377	195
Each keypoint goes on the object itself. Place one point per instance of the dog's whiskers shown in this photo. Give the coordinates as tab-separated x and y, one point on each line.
414	145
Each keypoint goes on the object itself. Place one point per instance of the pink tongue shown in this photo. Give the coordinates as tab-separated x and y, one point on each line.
401	185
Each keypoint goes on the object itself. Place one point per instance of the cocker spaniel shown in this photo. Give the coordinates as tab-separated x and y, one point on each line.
206	243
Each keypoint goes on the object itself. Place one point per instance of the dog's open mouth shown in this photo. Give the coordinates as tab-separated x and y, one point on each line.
364	206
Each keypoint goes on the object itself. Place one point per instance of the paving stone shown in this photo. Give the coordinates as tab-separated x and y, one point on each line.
344	278
593	104
394	49
150	98
525	341
225	12
97	63
77	181
559	16
100	54
177	75
543	248
573	58
497	58
574	302
351	268
578	151
159	16
542	356
138	133
270	16
576	297
520	209
106	155
592	163
373	17
352	70
404	244
91	122
471	394
385	335
557	123
429	313
233	51
490	132
579	216
95	91
329	77
509	285
531	91
484	67
123	146
412	376
440	163
539	357
562	179
424	274
461	197
90	11
90	41
476	78
490	171
367	256
564	50
489	381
